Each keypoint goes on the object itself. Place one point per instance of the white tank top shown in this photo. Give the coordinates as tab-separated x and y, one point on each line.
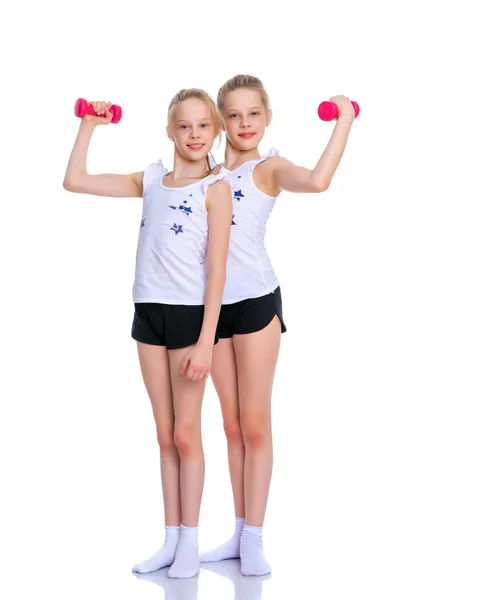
170	259
249	273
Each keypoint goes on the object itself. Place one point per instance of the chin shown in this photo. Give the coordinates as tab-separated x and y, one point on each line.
196	156
247	144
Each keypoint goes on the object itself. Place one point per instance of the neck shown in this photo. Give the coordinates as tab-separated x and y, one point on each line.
234	158
188	169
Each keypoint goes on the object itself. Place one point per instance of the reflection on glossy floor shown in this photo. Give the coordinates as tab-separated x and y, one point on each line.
240	588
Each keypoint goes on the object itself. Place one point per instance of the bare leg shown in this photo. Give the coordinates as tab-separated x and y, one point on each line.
256	358
187	401
225	380
156	376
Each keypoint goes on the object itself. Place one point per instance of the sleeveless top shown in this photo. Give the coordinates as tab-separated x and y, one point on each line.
249	273
173	238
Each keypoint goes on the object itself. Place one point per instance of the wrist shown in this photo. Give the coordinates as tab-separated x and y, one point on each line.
87	125
206	339
347	115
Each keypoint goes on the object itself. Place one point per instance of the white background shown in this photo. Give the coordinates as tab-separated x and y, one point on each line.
375	488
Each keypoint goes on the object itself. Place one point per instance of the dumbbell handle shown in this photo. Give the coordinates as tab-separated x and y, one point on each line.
328	111
83	107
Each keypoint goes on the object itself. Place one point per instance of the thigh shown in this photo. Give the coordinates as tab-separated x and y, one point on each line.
187	394
256	359
225	379
155	369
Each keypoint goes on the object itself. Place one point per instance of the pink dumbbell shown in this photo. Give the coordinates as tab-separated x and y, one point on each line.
328	111
82	108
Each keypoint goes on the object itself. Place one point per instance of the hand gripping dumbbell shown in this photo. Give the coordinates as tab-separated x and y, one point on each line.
328	111
83	107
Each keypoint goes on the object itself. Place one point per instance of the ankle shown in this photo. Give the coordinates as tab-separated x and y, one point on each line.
250	533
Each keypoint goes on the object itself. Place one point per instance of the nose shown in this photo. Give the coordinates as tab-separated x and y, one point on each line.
245	122
195	133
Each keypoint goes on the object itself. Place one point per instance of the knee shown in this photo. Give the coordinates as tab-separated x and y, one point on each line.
233	433
166	440
185	441
256	430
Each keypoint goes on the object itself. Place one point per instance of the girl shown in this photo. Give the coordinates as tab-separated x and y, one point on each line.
179	281
251	321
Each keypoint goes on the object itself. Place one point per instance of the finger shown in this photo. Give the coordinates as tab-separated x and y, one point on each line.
199	372
184	365
190	372
103	108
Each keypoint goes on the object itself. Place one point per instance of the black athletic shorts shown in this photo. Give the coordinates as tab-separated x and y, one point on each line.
171	325
248	316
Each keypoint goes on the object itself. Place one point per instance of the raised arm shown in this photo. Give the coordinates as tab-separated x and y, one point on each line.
292	178
78	180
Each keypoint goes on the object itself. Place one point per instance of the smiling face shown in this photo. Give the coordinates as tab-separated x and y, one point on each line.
192	128
245	118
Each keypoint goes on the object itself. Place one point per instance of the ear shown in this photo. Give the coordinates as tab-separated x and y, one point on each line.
222	123
269	116
170	137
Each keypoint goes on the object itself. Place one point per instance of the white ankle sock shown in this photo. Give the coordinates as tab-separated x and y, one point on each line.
251	552
165	555
187	562
230	549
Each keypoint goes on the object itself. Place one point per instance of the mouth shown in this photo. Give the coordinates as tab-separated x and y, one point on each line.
195	146
247	136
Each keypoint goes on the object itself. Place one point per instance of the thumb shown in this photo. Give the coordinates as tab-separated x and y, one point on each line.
184	365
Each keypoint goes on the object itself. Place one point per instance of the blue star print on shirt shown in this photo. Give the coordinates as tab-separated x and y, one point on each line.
233	221
185	209
177	228
142	223
239	195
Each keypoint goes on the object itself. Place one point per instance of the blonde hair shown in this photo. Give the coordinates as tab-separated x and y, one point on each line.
186	94
237	82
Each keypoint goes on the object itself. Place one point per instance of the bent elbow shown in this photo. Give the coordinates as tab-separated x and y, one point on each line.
73	182
320	186
69	184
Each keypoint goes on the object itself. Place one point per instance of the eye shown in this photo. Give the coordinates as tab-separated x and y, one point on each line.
205	125
232	116
255	113
183	126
